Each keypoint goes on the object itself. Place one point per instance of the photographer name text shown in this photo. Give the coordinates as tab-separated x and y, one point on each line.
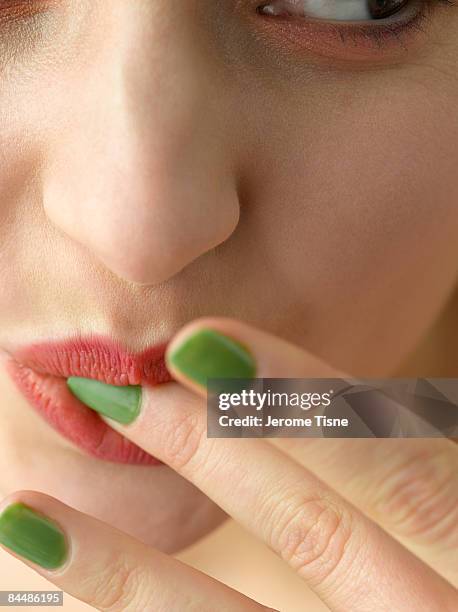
259	421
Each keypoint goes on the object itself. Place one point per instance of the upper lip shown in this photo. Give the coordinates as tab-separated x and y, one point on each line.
95	357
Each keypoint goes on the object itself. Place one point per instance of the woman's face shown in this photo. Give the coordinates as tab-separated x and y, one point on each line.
163	160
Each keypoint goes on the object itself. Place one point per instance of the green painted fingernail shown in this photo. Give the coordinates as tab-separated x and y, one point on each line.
210	354
121	404
32	536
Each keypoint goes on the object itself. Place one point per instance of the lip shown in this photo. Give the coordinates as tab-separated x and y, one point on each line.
40	371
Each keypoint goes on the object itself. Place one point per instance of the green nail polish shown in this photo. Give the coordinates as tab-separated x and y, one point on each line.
32	536
209	354
121	404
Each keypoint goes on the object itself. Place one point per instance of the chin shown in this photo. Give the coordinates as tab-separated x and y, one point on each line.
165	512
151	503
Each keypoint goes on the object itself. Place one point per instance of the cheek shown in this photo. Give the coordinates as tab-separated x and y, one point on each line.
396	226
370	220
397	185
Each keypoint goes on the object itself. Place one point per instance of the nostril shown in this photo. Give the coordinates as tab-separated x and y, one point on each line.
154	261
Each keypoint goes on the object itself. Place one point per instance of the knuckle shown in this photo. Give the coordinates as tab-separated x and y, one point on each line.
313	538
120	587
183	439
419	497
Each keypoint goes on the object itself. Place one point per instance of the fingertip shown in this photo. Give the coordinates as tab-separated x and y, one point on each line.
220	324
31	530
205	353
26	496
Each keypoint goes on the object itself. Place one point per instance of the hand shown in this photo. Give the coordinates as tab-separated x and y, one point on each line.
340	550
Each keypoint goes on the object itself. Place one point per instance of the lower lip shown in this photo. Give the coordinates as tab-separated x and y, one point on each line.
51	397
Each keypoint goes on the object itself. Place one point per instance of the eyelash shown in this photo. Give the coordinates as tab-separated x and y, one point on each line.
391	29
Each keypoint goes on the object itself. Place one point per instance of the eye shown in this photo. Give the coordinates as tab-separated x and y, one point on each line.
373	30
337	10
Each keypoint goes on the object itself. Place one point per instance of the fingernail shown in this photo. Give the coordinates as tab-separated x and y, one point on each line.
121	404
210	354
32	536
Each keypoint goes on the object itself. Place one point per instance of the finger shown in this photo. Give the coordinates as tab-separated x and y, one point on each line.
343	556
222	347
412	492
410	487
103	566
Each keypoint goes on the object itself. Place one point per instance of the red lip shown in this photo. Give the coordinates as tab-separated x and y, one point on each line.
40	372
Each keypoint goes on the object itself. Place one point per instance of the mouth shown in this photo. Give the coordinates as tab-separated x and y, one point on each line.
40	372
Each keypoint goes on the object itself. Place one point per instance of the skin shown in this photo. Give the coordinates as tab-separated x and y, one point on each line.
163	160
338	551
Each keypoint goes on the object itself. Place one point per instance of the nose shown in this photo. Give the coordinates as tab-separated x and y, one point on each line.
138	172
